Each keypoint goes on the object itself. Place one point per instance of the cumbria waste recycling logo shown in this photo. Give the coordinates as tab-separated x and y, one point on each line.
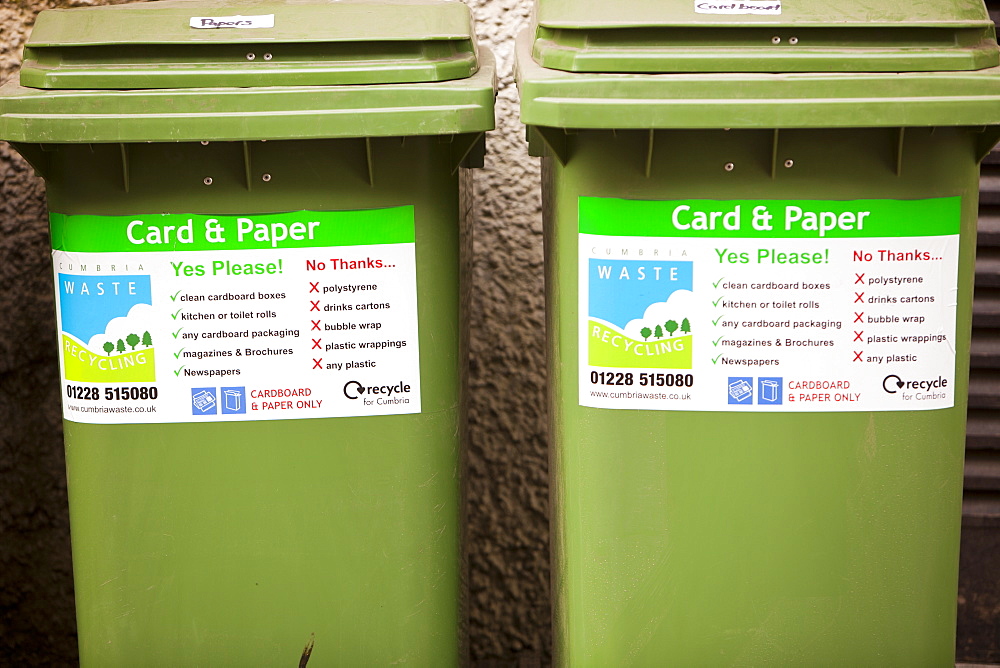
640	314
106	324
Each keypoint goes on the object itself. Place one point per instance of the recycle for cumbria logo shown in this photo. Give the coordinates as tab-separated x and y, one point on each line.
106	328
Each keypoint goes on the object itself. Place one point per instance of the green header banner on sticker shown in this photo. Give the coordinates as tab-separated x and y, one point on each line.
200	232
808	219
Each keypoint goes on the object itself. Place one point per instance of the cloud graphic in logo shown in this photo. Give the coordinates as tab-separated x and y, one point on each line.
680	305
87	304
622	289
139	320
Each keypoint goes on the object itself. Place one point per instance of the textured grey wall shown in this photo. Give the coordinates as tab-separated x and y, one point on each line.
37	625
508	526
508	476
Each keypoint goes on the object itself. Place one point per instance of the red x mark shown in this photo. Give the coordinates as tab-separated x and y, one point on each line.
859	297
315	305
316	344
859	278
315	325
857	336
858	316
318	363
857	356
313	287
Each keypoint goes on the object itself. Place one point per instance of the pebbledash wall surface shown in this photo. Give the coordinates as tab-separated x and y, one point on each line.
507	482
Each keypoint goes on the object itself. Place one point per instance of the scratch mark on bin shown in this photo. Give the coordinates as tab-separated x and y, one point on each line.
417	610
871	439
307	652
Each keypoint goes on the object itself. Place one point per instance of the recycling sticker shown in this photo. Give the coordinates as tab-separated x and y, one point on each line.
195	318
768	305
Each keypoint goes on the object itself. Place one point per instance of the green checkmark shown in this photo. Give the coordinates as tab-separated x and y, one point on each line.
178	372
173	297
716	284
177	333
716	321
716	342
716	359
178	353
716	302
174	314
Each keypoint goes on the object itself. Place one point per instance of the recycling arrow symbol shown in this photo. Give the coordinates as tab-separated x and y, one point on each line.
356	387
887	386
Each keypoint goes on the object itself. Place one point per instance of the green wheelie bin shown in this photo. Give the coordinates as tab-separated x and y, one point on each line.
760	224
259	223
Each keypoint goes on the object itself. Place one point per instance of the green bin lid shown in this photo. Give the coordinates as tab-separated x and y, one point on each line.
191	43
764	36
702	64
292	69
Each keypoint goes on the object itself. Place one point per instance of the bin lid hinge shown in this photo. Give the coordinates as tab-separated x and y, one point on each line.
555	142
987	140
34	155
468	150
125	166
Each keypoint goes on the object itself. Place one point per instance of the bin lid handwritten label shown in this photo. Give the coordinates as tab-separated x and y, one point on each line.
734	8
216	22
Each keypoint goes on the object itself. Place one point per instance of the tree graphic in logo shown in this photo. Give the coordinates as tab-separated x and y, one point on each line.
670	326
132	339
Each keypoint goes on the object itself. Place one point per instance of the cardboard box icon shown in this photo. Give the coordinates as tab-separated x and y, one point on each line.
769	391
232	399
